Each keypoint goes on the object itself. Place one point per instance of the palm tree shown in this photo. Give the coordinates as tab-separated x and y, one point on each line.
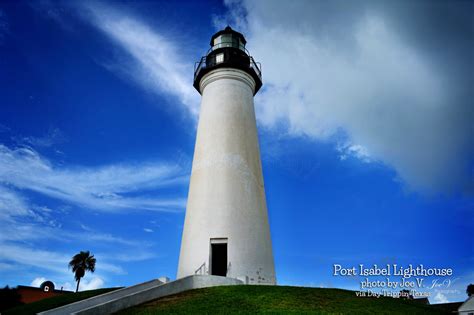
81	263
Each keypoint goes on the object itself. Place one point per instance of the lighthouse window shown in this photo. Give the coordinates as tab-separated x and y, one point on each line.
228	40
219	58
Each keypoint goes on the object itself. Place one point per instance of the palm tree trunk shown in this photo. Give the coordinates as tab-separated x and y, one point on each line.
77	288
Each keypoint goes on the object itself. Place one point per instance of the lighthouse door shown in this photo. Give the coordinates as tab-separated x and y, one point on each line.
218	257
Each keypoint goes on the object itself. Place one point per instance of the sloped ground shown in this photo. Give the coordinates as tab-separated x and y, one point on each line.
277	300
54	302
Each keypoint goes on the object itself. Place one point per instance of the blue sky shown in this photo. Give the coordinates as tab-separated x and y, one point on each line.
365	127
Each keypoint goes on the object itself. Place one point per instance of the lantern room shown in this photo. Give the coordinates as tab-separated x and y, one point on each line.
227	51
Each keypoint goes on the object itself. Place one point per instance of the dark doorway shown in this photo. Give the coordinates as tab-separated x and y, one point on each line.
219	259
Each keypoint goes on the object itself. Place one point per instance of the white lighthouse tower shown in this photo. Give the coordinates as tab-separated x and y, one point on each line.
226	231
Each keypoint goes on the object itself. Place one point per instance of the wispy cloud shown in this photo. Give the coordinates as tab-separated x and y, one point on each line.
49	260
94	235
22	228
110	188
11	204
130	256
52	137
35	223
155	61
104	188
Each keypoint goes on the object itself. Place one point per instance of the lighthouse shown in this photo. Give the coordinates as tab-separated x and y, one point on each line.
226	230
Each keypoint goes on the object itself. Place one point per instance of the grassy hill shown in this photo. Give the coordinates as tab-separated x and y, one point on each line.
251	299
277	300
53	302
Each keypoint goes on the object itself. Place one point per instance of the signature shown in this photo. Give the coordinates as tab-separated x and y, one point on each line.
445	283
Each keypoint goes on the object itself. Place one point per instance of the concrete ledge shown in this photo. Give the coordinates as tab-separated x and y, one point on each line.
109	302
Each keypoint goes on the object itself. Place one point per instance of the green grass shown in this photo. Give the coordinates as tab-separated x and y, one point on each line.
250	299
53	302
277	300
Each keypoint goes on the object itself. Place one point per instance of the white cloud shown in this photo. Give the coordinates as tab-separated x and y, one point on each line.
23	223
92	284
327	70
67	286
102	188
155	63
37	282
20	220
19	228
440	298
148	230
355	150
48	260
11	204
101	237
85	284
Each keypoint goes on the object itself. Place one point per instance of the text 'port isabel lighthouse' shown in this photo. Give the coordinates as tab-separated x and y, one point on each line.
226	230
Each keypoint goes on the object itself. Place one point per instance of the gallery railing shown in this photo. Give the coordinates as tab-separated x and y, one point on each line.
203	64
